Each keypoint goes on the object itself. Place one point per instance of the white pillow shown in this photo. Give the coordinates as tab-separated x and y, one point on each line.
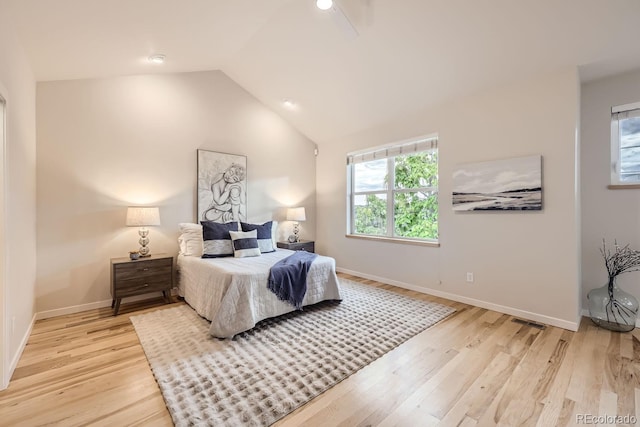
190	239
274	233
245	243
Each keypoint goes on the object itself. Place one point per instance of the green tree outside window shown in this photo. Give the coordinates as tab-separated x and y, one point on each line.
414	196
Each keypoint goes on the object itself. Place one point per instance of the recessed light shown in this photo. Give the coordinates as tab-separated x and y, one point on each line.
289	103
157	59
324	4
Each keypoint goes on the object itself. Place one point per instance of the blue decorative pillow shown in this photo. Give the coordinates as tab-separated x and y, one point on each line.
265	240
216	239
245	244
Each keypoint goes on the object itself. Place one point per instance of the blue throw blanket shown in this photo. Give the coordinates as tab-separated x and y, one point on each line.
288	277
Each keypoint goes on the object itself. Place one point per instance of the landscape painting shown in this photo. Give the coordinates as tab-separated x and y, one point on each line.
511	184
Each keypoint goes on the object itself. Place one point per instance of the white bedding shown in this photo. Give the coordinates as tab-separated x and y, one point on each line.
232	292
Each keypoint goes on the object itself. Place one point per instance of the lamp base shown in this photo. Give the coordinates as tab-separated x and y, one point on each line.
144	241
296	231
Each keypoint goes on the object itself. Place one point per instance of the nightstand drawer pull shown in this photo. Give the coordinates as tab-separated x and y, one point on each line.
145	269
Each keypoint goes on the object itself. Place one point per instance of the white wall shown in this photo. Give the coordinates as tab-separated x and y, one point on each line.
526	263
606	214
109	143
17	86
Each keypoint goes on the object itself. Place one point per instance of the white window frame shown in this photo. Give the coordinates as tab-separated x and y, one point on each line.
402	148
617	112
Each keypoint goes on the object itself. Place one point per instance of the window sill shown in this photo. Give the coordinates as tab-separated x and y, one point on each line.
394	240
623	186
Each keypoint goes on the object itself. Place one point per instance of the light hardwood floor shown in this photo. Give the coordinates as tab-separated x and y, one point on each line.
477	367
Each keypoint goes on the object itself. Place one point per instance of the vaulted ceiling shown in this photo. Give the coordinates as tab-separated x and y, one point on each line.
408	54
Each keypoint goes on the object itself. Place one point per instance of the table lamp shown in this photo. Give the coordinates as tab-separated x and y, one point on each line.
142	217
296	215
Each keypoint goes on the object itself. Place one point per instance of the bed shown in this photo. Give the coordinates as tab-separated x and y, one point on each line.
232	292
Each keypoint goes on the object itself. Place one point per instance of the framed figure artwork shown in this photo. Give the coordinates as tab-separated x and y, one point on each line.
222	187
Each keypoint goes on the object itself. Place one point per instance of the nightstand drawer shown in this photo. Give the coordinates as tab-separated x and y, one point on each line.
140	285
143	269
308	246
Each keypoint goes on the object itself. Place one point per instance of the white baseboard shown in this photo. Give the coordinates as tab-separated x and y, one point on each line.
91	306
18	354
564	324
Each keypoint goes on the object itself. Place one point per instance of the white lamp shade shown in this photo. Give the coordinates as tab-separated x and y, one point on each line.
296	214
142	216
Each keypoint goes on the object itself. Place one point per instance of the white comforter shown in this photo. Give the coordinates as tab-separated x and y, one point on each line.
232	292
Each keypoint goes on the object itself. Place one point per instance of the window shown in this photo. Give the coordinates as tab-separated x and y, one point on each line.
393	191
625	144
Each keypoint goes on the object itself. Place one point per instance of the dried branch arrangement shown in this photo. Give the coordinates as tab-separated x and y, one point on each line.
621	260
620	314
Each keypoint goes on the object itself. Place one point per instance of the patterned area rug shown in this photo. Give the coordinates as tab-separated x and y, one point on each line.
265	373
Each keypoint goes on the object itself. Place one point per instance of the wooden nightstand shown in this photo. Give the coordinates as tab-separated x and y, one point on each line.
137	277
308	245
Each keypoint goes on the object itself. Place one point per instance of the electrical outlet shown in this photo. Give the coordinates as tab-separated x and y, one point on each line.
470	277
